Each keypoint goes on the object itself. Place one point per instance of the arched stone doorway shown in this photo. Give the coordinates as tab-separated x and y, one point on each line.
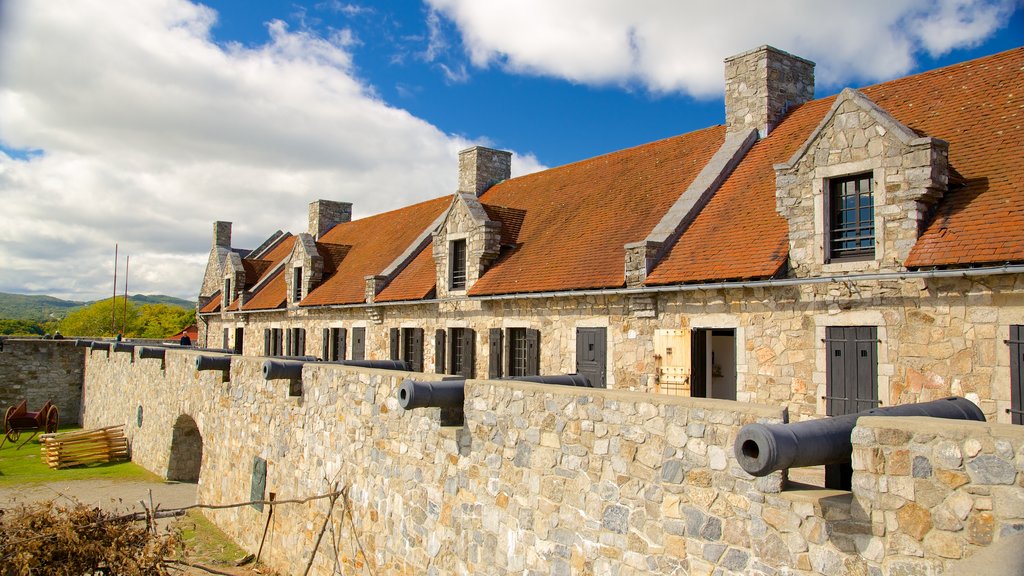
186	451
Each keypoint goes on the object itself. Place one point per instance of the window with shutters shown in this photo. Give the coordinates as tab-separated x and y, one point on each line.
333	344
851	219
460	351
523	352
1016	343
296	283
407	345
272	342
295	342
851	378
457	265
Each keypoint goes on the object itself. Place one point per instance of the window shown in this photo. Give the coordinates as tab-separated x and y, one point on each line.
334	344
407	345
851	383
295	342
1016	343
272	342
239	334
523	352
457	264
851	213
227	293
460	351
296	283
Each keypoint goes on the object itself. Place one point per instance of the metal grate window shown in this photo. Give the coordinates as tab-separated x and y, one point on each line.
458	356
297	283
852	218
518	352
457	257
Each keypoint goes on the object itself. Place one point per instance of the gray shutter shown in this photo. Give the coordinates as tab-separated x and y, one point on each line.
300	341
851	383
325	348
340	344
532	352
439	351
267	343
417	350
494	353
289	350
1017	374
468	352
359	343
395	344
227	338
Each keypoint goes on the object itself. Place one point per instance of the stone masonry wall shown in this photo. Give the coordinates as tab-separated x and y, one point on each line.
539	479
937	337
39	370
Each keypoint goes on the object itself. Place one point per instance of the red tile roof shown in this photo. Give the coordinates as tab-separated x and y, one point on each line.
578	217
416	282
375	242
213	305
271	296
976	106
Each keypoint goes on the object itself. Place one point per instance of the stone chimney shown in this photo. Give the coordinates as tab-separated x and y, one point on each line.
480	168
761	85
325	214
222	234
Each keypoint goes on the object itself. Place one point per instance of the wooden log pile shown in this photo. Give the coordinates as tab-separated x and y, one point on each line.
84	447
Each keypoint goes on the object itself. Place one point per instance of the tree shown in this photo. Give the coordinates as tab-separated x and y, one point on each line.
162	320
21	328
94	319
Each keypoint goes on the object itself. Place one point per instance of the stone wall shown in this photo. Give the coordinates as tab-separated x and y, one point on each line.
544	479
39	370
937	337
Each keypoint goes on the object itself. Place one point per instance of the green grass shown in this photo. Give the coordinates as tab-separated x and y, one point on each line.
25	466
206	542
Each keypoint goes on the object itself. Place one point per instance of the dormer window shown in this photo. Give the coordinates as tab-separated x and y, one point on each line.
297	283
457	264
227	292
851	219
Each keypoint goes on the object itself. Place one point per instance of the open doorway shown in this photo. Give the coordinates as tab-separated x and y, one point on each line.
713	363
186	451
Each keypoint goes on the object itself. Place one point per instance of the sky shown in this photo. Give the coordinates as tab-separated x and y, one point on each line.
141	122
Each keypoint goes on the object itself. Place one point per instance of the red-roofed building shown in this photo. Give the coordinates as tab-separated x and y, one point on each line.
831	255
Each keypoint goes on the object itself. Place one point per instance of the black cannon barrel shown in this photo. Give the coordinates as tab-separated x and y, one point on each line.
123	347
285	368
560	379
379	364
443	394
764	448
100	346
152	352
204	362
80	343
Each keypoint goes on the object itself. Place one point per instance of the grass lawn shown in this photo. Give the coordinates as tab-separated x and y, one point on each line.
24	466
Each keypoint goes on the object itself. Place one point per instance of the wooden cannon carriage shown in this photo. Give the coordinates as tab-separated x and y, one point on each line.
18	419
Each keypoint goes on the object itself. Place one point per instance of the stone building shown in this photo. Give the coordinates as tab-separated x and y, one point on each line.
828	255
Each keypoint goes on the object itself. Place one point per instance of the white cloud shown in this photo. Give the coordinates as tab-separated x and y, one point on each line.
671	46
149	131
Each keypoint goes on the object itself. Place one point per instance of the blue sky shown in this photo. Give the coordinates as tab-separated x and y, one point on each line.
140	122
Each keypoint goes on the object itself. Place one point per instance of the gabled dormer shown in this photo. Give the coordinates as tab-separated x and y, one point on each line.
232	282
858	192
303	270
468	240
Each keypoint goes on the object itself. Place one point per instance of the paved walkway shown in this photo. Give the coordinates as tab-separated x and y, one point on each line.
113	495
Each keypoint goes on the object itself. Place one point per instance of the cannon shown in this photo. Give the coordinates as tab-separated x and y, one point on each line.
81	343
764	448
561	379
286	367
152	352
204	363
100	346
401	365
123	347
441	394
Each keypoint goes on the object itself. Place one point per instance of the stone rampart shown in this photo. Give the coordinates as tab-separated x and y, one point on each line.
39	370
538	479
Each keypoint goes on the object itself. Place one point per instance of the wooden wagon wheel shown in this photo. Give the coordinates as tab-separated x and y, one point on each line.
7	419
52	420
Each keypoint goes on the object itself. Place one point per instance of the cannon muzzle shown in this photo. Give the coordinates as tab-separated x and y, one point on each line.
401	365
280	369
152	352
204	362
443	394
764	448
560	379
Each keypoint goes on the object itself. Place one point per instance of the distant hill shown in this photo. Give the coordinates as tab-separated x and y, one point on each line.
39	308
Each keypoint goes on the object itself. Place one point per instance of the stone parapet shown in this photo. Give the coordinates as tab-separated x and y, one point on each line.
39	370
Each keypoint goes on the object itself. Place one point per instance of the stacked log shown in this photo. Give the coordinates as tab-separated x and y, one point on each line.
85	447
